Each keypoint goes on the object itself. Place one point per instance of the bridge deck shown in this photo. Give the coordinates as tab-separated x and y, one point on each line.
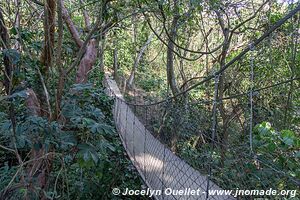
157	165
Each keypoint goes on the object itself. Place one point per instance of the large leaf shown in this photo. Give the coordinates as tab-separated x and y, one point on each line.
102	128
288	137
88	152
67	139
13	55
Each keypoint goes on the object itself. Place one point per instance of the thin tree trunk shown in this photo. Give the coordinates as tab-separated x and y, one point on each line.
171	78
291	85
17	23
90	55
134	42
170	52
86	17
221	89
137	61
71	26
60	84
116	63
49	30
8	80
8	67
101	51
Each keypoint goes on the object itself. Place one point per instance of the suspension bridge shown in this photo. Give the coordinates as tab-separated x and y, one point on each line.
157	165
161	168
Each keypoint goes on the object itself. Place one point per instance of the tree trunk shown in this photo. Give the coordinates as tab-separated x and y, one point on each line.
61	79
8	67
86	17
171	78
17	23
49	30
170	52
116	65
87	62
289	101
137	61
71	26
101	52
221	89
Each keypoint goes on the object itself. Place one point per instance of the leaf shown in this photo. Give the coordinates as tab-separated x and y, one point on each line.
94	128
86	155
95	156
287	133
97	113
288	141
13	55
264	128
88	152
103	145
88	122
22	94
271	147
37	146
67	140
102	128
6	125
112	148
288	137
21	141
13	31
107	129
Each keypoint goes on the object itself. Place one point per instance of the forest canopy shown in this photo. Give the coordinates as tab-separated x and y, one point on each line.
215	81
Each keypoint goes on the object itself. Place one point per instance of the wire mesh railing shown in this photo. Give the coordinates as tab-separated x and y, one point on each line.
158	166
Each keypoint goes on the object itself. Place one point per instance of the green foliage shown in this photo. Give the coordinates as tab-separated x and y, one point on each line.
150	83
283	147
89	158
87	142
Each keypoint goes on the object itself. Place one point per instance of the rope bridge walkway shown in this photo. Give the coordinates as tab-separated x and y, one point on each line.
157	165
208	154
